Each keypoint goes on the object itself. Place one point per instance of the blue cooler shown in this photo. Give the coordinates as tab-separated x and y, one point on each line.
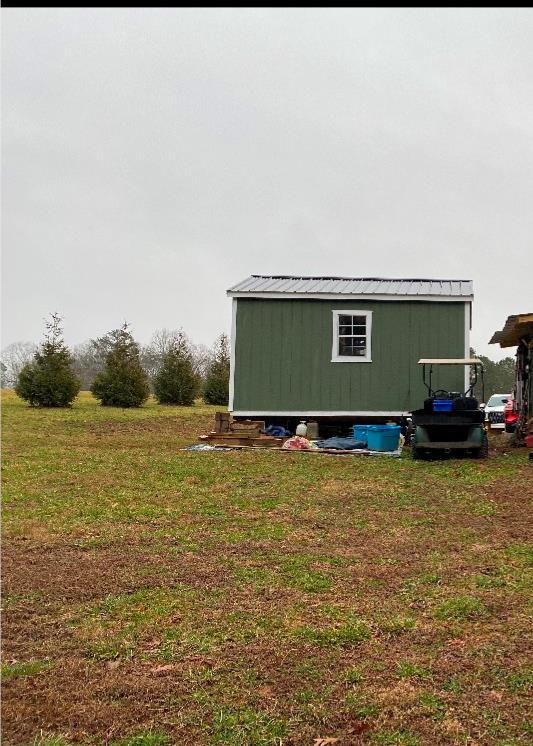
383	437
359	432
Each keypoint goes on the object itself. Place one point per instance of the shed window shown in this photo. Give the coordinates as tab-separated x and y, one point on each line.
351	337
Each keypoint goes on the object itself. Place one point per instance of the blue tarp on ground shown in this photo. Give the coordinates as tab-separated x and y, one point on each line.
341	444
278	431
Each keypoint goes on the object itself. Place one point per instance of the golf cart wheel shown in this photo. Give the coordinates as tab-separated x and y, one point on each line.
483	451
416	453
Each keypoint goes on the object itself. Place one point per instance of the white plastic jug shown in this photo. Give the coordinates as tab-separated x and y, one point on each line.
301	429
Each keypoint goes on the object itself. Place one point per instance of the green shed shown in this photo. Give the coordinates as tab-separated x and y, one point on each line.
341	347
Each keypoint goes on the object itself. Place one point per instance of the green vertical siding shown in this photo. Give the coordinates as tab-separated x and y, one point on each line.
283	355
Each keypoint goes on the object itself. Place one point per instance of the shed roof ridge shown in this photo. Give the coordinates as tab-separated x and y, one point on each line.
344	287
360	279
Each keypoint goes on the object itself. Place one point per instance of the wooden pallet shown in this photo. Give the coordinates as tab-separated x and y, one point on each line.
245	425
239	439
225	424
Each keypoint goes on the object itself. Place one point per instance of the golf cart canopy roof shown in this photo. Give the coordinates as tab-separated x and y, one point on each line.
450	361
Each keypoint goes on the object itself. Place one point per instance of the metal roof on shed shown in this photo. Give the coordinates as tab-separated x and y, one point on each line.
516	327
290	285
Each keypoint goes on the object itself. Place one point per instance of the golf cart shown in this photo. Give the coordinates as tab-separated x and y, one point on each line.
450	420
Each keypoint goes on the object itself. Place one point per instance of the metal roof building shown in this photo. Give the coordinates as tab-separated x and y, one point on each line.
416	288
342	346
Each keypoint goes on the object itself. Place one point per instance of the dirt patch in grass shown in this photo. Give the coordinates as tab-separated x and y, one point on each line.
67	574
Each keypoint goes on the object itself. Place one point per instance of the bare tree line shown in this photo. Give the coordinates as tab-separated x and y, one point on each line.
89	357
13	358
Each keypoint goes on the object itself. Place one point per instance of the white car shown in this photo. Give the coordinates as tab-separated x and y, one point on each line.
494	411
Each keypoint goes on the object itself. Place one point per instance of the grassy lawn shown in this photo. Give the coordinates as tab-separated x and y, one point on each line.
154	596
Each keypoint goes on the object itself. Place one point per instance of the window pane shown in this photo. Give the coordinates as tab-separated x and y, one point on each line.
344	346
352	346
352	324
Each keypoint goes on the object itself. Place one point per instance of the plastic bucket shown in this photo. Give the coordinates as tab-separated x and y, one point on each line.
383	437
359	432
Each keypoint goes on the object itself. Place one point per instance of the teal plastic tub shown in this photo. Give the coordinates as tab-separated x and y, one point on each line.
383	437
359	432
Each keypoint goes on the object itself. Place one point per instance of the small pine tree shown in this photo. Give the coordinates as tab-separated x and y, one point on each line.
48	380
177	381
123	382
216	390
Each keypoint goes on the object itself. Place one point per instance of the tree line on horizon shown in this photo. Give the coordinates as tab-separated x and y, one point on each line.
499	376
171	367
116	369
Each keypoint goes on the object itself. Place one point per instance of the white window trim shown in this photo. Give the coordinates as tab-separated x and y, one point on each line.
335	357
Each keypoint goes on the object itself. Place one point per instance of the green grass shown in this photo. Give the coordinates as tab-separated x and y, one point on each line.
49	740
398	625
353	676
28	668
359	709
408	670
522	681
521	554
254	597
489	581
245	727
352	632
453	685
461	608
433	704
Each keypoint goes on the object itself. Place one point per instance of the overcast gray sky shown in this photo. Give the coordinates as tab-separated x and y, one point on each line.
152	158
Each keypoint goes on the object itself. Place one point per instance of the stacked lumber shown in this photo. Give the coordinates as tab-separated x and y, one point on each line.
230	432
222	422
263	441
249	428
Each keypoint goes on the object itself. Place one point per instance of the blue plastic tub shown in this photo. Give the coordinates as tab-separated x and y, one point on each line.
359	432
442	405
383	437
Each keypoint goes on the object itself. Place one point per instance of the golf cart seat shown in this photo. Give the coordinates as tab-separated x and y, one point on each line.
465	403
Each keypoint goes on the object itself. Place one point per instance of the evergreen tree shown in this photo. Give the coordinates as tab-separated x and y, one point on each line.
216	390
48	380
177	381
123	382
